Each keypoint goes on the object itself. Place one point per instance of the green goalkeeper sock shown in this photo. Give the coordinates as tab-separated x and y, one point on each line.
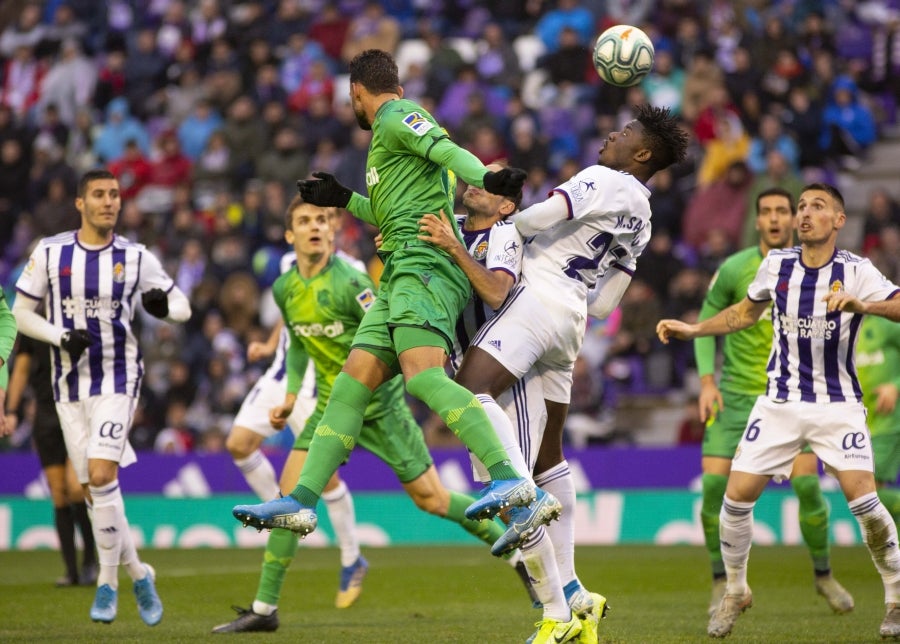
713	494
890	497
487	530
813	520
280	550
334	438
464	415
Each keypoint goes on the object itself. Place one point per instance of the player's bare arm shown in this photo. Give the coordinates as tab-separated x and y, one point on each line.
279	414
739	316
262	350
491	286
710	399
842	301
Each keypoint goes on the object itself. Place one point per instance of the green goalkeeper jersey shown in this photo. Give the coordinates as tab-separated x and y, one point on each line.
745	353
409	172
322	314
877	363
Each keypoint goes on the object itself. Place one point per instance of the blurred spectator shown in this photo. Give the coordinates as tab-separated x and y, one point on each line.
259	54
245	135
771	137
299	55
69	83
212	171
372	28
664	85
80	149
716	107
567	14
169	169
848	127
48	163
721	204
285	162
767	49
196	129
110	78
454	104
289	19
351	171
881	212
444	63
55	212
316	83
207	24
223	76
660	262
486	145
784	74
667	204
497	62
537	186
803	118
27	31
567	65
329	29
132	169
527	149
119	128
14	170
50	123
475	118
729	144
23	75
716	247
319	124
778	173
703	78
267	86
144	71
742	82
174	29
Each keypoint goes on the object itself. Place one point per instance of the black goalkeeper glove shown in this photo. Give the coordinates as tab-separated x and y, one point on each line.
156	302
75	342
325	192
507	182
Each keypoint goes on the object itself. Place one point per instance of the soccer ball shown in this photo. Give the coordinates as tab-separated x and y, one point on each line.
623	55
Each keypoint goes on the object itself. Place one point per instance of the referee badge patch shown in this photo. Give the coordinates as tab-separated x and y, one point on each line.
417	123
366	299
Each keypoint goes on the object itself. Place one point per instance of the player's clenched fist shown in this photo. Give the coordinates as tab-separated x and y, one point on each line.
668	329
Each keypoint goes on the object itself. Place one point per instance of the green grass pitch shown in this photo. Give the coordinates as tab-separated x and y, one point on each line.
436	595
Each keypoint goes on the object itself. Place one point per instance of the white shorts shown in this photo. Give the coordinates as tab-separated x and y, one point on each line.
268	393
777	431
524	404
97	428
526	334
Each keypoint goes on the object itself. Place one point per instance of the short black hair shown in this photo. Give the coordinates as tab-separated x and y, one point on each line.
376	70
92	175
667	141
775	191
830	189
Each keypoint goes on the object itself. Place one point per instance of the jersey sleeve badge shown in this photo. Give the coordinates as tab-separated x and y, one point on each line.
366	299
417	123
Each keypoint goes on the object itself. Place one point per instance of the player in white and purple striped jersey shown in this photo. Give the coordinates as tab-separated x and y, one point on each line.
89	281
251	426
580	252
818	295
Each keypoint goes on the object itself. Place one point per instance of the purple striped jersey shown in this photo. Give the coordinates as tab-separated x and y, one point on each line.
97	290
812	350
278	369
498	248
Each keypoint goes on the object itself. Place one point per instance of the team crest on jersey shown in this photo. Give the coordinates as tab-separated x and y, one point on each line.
118	273
366	299
480	251
29	266
417	123
323	298
837	286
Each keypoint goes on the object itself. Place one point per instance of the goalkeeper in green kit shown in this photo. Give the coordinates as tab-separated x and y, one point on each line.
878	369
410	327
726	412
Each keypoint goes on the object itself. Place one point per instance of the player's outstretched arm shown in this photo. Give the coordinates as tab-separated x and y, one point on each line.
843	301
739	316
491	286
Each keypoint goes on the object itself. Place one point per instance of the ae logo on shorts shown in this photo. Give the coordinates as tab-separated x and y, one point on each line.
111	430
854	440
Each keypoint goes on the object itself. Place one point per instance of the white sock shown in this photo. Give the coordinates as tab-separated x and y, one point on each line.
108	526
735	536
506	433
260	475
880	535
128	556
540	561
558	482
339	503
262	608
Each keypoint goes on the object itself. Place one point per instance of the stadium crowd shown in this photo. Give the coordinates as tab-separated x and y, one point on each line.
209	111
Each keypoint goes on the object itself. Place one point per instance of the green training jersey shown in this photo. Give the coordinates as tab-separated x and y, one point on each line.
745	353
322	314
878	362
408	173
